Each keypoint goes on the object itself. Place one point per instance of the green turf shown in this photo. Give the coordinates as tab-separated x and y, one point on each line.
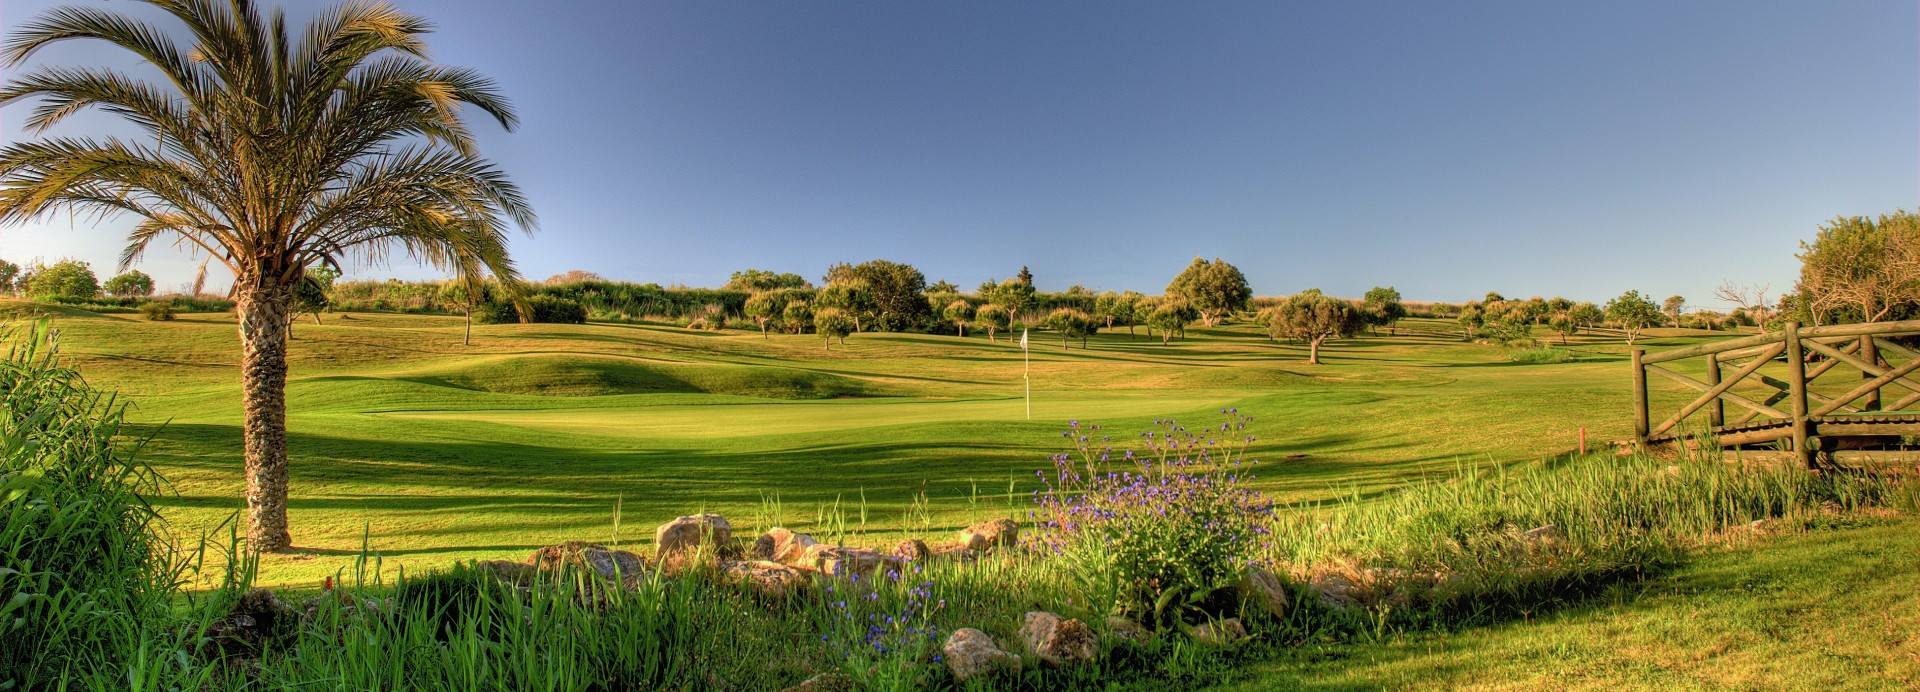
437	451
1829	610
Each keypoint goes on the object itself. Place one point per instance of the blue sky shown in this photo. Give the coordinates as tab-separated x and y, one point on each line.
1449	149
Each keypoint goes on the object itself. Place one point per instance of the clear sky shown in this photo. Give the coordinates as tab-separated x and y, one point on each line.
1448	149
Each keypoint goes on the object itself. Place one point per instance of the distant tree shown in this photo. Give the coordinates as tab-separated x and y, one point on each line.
897	291
994	317
1587	315
9	274
763	307
1672	306
1143	308
1024	277
1859	269
1751	299
1015	295
1472	316
852	298
133	284
1557	305
63	280
1563	325
1314	318
573	276
468	292
1215	289
1172	316
1493	297
797	316
1079	290
1111	308
1633	313
310	294
1382	307
1513	327
943	286
751	280
959	312
832	323
1537	310
1071	324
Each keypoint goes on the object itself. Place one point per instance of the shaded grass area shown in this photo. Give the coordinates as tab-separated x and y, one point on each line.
1823	610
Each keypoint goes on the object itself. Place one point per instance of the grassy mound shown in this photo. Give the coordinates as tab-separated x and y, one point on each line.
590	376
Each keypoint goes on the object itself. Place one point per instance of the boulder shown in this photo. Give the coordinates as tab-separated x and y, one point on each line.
783	546
1058	641
346	604
607	563
767	578
970	654
993	533
826	682
689	534
257	617
1218	632
840	560
912	550
1263	590
508	572
1127	630
1335	591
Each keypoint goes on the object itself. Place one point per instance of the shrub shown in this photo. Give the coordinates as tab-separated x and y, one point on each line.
1160	535
157	310
1538	356
545	309
66	280
133	284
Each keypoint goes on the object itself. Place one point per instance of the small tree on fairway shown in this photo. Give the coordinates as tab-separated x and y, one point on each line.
1215	289
1314	318
1587	315
1143	308
1471	317
310	294
1013	294
763	307
1171	316
1563	325
1114	308
133	284
959	312
1072	324
798	315
992	316
1383	308
468	292
832	323
1672	306
1633	313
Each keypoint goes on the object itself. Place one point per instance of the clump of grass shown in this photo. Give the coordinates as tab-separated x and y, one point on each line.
1541	355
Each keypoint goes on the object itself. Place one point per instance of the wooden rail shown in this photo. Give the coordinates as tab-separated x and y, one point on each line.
1813	421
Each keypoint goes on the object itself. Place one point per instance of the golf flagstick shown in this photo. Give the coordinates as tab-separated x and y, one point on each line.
1028	374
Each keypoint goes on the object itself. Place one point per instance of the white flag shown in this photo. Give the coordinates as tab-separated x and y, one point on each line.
1023	338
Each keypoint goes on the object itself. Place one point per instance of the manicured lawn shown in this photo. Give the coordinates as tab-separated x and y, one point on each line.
433	451
1826	610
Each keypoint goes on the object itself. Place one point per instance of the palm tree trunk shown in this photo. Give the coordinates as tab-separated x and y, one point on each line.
263	398
467	339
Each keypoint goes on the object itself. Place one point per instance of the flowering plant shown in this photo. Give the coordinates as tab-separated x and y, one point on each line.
1159	533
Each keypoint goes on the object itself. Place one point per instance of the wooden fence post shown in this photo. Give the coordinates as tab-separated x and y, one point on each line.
1797	391
1871	354
1717	411
1640	422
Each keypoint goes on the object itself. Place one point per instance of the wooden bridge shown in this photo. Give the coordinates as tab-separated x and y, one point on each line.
1772	381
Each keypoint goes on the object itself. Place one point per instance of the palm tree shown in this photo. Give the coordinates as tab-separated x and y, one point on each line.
271	153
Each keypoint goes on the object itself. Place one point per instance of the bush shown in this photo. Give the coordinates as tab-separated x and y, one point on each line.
157	310
1538	356
66	280
133	284
545	310
1163	535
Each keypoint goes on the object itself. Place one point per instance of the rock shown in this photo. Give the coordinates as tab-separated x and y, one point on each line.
1334	591
840	560
608	563
258	616
765	577
990	534
912	550
1127	630
1543	535
1218	632
1057	641
346	604
955	553
971	654
783	546
825	682
689	534
1265	591
508	572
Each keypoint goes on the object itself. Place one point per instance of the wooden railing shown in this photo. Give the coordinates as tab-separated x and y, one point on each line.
1805	355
